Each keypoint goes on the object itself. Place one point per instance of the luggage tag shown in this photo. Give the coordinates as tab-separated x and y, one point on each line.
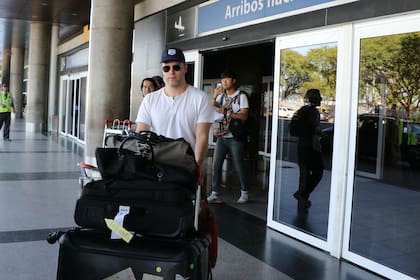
116	225
126	274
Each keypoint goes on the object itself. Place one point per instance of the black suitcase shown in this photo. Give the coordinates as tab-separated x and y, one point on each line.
90	255
156	208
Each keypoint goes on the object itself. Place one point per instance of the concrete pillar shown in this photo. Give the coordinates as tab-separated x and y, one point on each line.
53	92
109	74
5	71
7	36
17	64
38	63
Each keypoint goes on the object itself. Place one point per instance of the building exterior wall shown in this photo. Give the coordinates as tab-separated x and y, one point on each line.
150	32
149	41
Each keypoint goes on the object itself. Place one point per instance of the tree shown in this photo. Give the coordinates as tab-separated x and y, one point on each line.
315	69
405	83
323	65
293	72
390	66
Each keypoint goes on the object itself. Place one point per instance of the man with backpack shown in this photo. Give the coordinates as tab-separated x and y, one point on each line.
233	105
305	124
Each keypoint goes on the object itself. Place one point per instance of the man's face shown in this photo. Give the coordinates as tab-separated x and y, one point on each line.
228	83
174	73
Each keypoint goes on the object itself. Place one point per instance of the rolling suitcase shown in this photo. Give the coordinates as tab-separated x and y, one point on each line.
90	255
156	208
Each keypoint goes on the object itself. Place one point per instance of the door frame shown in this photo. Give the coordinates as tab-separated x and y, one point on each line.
374	28
342	36
65	99
194	56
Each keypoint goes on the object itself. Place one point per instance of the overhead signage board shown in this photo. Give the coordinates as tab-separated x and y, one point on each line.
221	15
181	25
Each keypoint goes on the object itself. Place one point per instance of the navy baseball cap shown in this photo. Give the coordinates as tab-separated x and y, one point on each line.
173	54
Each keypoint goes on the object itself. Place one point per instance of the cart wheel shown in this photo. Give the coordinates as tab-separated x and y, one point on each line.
54	236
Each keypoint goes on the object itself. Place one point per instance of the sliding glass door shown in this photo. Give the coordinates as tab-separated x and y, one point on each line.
382	227
72	105
305	61
365	206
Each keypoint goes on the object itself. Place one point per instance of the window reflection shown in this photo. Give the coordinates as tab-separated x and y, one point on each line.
302	69
386	196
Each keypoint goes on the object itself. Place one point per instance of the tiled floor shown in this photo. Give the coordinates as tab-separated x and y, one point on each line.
38	189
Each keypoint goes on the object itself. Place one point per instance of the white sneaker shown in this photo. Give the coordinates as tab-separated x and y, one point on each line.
214	198
243	198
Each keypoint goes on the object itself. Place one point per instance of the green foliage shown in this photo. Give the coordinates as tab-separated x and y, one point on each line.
390	70
315	69
323	62
293	72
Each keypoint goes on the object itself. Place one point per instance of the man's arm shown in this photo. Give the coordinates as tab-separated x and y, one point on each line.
242	115
201	144
142	127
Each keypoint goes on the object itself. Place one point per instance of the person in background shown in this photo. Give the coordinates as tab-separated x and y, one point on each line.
233	104
6	108
148	85
311	166
159	81
178	109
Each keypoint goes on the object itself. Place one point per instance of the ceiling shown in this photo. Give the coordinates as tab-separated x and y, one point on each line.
71	15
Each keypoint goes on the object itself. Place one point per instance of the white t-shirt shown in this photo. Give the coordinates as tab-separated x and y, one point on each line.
176	117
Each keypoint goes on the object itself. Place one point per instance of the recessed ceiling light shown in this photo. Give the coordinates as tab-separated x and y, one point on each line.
44	4
74	14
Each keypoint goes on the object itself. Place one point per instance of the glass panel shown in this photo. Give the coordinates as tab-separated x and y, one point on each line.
76	107
384	226
82	111
63	106
70	106
302	69
264	143
189	77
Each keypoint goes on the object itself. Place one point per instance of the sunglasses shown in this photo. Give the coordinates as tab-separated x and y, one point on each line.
167	68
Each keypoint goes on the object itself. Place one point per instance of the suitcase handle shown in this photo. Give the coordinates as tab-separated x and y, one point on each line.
197	206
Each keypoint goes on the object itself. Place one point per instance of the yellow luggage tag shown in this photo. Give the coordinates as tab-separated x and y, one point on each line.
119	230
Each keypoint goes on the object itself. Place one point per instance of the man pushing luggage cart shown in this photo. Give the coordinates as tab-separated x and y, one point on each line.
189	115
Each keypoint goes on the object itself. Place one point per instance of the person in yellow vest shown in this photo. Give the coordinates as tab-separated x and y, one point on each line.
6	108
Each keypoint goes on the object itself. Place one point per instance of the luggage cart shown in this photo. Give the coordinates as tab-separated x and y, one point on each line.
204	224
116	127
88	172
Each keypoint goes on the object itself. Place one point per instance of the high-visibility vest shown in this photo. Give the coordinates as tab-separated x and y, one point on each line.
6	100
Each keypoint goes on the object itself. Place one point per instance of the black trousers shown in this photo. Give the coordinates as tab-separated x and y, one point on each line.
311	169
5	119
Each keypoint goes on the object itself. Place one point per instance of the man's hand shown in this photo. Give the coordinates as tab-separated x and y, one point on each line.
220	110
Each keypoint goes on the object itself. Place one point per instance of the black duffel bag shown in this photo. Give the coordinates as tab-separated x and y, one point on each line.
156	208
163	150
140	162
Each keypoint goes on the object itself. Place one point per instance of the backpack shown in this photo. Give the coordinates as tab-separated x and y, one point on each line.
298	126
239	128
